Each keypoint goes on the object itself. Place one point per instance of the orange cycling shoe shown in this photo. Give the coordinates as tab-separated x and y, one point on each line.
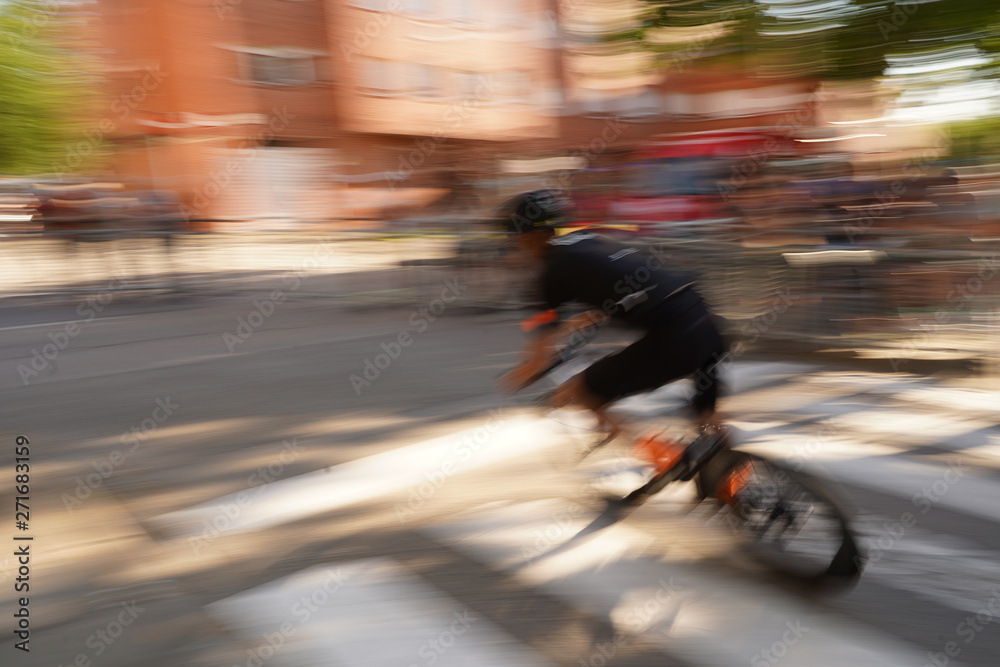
663	453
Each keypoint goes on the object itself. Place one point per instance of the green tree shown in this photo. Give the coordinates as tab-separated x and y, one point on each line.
974	139
44	91
834	39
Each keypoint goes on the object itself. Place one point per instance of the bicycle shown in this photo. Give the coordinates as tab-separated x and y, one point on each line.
789	520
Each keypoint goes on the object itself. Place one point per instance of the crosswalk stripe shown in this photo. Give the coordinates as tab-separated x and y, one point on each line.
739	378
431	462
666	597
953	399
369	613
914	427
669	599
858	381
747	376
941	568
991	450
910	388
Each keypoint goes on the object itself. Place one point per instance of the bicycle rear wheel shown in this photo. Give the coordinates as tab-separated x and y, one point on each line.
788	520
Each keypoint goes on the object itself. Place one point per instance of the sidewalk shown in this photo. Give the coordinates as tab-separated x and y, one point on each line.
356	270
33	264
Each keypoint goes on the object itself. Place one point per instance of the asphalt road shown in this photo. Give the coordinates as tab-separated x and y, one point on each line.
196	467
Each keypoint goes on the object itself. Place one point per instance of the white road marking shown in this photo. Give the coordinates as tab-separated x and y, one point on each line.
858	381
370	613
914	427
432	462
709	619
954	399
739	378
991	449
57	324
941	568
749	375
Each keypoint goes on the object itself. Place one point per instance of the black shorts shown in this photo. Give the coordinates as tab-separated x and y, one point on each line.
666	353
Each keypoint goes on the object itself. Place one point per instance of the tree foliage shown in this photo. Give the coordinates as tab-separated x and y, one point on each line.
974	139
43	93
834	39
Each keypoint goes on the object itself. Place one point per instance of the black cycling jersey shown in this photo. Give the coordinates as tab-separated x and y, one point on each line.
619	279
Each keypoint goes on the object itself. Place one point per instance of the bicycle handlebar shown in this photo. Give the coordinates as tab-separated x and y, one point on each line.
568	351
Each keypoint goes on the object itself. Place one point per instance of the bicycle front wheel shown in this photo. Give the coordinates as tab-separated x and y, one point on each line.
788	520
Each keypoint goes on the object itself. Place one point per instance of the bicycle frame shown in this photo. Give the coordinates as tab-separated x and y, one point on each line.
704	453
731	479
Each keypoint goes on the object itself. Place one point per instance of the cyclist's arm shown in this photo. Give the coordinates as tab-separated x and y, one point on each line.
543	328
546	327
592	318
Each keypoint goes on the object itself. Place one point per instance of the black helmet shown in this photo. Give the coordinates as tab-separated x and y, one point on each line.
533	211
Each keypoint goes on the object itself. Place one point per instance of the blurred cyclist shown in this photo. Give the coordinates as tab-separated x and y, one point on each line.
626	284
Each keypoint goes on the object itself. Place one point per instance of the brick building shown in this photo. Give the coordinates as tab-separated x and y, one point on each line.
312	109
338	109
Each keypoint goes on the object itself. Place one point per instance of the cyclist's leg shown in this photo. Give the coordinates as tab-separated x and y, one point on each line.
707	380
633	370
658	358
576	392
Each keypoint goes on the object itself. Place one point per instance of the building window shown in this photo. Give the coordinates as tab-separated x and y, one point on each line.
374	5
549	101
390	78
425	80
514	87
465	11
282	70
644	106
502	16
466	84
379	77
419	8
324	69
